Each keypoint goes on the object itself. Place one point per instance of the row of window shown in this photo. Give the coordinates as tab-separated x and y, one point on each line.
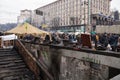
67	8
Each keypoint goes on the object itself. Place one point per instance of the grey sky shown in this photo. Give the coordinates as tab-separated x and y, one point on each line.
10	9
115	4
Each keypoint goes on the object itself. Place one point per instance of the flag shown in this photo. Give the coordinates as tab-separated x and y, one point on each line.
26	26
44	26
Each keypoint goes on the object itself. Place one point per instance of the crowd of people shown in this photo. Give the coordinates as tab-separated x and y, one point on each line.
106	41
103	41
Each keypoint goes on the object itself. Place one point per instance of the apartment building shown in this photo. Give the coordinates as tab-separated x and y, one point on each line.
73	12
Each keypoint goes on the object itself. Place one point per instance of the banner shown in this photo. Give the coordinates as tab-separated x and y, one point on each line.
8	37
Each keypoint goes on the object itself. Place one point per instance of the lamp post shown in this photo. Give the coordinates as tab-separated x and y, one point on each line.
89	15
84	17
85	3
89	12
87	20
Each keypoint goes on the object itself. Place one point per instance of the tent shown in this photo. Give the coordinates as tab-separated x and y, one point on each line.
26	28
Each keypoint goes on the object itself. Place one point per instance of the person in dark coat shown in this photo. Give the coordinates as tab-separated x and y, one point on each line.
104	40
47	40
113	40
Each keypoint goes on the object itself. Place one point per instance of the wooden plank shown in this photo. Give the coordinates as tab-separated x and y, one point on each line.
31	61
3	55
6	73
0	43
14	70
11	65
9	61
28	58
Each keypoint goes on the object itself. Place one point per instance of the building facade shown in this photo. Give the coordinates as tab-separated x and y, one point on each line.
36	19
25	16
73	12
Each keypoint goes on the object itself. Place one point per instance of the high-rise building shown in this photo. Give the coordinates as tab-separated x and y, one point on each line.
25	16
73	12
116	15
36	19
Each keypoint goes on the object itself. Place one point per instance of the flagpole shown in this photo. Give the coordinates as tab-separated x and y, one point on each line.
26	27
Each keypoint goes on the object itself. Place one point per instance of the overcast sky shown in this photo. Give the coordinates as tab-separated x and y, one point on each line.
10	9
